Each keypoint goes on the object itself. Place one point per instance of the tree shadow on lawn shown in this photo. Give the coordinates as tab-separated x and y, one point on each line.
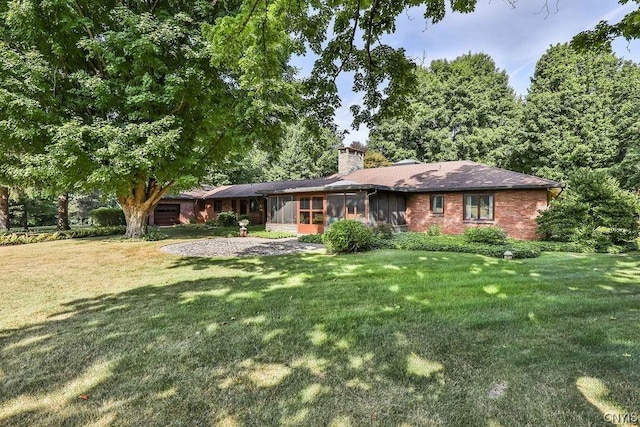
283	345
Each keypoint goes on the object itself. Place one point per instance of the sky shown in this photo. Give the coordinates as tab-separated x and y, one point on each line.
514	37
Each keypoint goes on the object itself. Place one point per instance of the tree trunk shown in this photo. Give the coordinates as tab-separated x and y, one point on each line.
25	216
63	212
4	209
136	217
138	203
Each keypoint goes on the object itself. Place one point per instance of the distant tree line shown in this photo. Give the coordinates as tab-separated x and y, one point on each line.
579	123
581	111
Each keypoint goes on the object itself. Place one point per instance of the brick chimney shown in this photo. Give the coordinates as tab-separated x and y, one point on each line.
349	160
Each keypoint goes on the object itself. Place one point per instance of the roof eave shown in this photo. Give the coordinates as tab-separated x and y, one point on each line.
330	189
483	188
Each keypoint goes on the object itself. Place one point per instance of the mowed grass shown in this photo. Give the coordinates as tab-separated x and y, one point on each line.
101	332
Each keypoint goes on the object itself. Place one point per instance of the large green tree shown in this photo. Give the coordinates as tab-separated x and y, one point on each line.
149	93
304	152
25	99
627	126
460	109
305	155
139	101
578	113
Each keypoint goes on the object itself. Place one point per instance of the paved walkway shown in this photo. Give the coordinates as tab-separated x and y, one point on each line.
240	246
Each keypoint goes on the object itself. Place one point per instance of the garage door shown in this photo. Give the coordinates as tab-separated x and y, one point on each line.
166	214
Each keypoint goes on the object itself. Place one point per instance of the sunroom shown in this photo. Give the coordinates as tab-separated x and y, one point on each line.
310	212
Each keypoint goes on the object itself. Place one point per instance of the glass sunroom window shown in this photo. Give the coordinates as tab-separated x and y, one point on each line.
283	209
311	210
355	203
335	207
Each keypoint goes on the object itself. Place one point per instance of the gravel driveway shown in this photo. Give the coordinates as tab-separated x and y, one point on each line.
240	246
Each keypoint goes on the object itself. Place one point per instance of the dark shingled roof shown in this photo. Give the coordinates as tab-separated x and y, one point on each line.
191	194
461	175
240	191
448	176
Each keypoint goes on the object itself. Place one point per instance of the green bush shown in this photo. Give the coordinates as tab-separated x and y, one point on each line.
24	238
489	235
107	217
272	234
154	235
94	231
310	238
383	231
593	212
548	246
227	219
424	242
434	230
348	236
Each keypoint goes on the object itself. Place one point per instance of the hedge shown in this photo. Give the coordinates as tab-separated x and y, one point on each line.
310	238
489	235
423	242
107	217
24	238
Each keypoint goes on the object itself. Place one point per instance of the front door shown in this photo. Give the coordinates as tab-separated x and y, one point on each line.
311	215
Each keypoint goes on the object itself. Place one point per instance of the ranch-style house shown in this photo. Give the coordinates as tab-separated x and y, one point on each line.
408	195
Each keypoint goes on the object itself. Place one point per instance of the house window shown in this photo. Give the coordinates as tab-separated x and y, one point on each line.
254	205
437	204
478	207
311	210
217	205
244	207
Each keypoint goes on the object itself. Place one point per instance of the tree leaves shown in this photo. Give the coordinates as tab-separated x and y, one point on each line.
573	113
458	110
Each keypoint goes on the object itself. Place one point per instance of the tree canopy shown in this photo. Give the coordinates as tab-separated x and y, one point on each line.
302	154
580	111
461	109
605	32
139	98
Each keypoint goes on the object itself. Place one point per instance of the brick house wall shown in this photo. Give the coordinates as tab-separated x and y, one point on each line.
515	212
187	211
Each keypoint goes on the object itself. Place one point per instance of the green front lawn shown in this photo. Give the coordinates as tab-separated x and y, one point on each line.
101	332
